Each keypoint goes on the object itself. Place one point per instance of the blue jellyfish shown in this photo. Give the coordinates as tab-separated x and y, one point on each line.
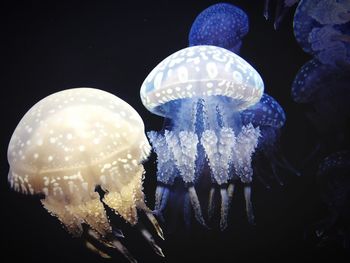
281	9
201	91
333	178
309	79
223	25
270	117
324	90
322	29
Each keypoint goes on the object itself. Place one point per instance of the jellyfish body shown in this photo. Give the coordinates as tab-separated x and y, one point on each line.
270	117
201	90
322	29
69	143
324	89
334	182
223	25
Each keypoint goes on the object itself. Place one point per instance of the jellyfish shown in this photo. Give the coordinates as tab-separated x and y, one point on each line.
69	143
323	90
334	182
322	29
270	117
223	25
281	9
201	90
309	79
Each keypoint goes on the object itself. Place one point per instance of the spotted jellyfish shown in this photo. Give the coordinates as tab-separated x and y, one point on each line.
223	25
69	143
324	90
201	91
322	29
270	117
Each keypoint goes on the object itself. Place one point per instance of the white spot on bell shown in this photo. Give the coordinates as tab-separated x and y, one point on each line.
212	70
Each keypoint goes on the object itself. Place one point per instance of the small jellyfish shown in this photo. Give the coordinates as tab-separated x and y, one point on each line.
311	77
69	143
223	25
322	29
333	178
281	9
270	117
201	91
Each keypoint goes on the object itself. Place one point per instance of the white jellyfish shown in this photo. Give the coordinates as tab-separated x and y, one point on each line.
73	141
201	91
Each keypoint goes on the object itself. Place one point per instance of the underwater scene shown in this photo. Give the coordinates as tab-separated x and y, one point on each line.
176	131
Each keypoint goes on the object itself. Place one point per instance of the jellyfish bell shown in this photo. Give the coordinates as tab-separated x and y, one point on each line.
309	79
267	112
223	25
200	72
72	141
201	89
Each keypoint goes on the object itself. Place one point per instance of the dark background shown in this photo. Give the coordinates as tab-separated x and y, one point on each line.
113	45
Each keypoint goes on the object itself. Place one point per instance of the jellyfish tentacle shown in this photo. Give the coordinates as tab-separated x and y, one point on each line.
184	148
162	196
275	173
149	238
196	205
111	242
148	212
211	203
263	181
246	143
266	9
287	165
96	250
155	225
230	192
224	208
118	233
73	215
158	197
219	150
248	204
187	210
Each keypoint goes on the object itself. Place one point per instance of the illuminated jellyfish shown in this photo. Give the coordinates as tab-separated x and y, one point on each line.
270	117
281	9
334	182
69	143
322	29
223	25
201	90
